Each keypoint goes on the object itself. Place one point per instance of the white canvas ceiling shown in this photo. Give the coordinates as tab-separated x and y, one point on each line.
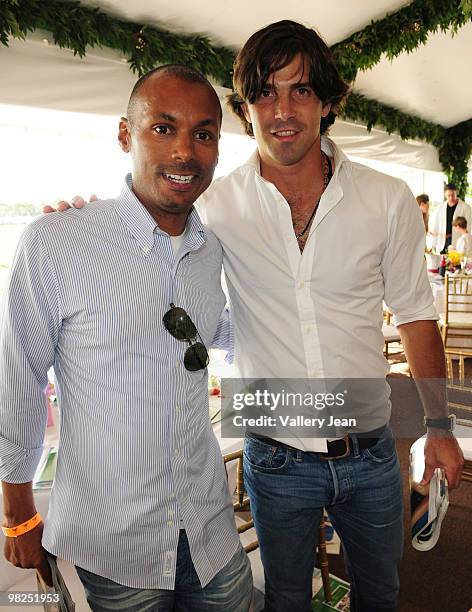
426	82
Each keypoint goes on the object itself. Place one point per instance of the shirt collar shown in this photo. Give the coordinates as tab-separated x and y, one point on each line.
327	145
142	226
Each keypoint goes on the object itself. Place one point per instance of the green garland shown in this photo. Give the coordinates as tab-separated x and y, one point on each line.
402	31
75	27
372	113
455	153
454	144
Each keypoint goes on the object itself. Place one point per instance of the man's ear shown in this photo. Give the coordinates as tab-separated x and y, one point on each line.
325	110
124	135
245	111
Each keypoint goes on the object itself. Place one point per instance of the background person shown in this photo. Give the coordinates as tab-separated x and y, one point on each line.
442	232
423	203
464	242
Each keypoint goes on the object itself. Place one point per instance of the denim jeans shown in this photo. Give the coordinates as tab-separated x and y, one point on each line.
229	591
362	494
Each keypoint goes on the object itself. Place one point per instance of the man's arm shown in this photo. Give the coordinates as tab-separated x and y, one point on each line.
28	336
25	550
425	354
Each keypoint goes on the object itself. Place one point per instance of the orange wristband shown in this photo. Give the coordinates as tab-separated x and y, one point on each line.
14	532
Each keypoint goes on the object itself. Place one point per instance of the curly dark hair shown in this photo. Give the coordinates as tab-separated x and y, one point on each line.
273	48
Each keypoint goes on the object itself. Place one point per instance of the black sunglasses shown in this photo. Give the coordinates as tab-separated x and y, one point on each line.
180	325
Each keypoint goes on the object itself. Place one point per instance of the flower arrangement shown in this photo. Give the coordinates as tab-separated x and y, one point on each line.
454	261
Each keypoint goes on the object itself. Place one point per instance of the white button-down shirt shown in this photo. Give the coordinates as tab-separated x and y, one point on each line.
318	314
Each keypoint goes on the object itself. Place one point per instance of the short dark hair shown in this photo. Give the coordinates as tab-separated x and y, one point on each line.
423	198
185	73
460	222
450	187
273	48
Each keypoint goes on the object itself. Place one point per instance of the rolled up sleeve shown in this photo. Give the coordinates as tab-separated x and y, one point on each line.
29	332
224	335
408	293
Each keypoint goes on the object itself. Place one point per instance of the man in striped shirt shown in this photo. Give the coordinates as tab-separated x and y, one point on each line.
140	502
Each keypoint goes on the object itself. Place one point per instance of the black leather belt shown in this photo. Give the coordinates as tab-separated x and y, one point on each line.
337	449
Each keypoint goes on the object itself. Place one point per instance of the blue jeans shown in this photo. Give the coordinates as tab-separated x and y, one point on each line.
362	494
229	591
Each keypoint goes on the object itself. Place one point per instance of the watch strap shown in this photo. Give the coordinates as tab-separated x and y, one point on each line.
448	423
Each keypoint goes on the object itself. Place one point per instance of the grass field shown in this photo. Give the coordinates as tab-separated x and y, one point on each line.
9	235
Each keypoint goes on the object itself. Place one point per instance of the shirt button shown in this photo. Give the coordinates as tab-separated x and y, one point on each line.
177	364
177	451
146	249
177	408
170	523
301	284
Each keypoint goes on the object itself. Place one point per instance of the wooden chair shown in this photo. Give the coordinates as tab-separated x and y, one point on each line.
459	398
456	324
390	332
242	504
464	435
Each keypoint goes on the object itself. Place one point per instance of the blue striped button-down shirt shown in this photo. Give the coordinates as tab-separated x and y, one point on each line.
87	293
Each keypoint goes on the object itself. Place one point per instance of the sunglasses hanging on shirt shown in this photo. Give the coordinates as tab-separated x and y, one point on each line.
180	325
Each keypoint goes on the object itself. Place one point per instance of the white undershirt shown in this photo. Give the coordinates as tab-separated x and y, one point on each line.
176	242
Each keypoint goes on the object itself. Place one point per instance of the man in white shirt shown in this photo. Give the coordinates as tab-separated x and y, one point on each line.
308	261
442	232
464	242
312	245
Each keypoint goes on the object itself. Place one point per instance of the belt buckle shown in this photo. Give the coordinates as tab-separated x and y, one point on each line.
347	442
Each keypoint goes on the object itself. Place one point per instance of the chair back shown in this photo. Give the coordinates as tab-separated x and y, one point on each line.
457	323
458	295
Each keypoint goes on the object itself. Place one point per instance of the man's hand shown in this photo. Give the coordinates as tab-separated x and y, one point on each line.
26	551
442	450
76	202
